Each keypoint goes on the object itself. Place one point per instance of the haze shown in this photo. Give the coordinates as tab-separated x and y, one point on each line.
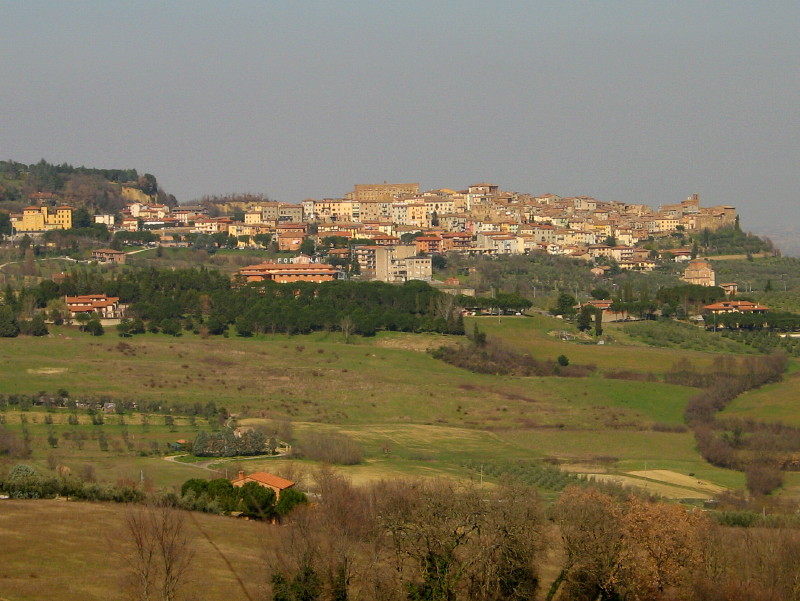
631	101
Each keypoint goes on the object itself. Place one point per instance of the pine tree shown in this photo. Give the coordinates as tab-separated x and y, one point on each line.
8	322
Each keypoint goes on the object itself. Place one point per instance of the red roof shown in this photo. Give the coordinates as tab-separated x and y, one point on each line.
741	306
264	478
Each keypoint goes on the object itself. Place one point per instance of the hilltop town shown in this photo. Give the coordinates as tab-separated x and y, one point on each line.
389	232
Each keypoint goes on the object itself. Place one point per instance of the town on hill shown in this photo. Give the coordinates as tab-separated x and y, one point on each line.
387	232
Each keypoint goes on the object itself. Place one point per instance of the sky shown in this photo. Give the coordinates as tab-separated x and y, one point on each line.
637	101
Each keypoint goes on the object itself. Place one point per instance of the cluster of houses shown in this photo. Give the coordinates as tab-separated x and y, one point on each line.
398	227
700	273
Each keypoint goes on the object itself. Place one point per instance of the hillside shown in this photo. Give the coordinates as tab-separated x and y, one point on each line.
410	413
97	190
51	561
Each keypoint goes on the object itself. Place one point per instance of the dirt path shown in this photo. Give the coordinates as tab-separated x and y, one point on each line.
203	465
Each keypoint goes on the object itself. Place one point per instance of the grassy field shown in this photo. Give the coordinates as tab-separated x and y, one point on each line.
412	414
535	335
61	559
772	403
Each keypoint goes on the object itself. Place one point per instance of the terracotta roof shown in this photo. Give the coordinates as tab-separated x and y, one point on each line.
267	479
741	306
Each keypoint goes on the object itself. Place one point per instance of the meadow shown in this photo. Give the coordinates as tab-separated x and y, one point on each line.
412	414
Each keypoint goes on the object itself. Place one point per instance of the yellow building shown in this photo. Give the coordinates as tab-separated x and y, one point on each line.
382	192
42	219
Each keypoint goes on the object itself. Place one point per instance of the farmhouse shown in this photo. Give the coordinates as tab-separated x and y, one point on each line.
736	307
107	307
108	255
276	483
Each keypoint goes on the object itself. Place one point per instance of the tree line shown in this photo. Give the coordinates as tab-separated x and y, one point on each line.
748	446
205	301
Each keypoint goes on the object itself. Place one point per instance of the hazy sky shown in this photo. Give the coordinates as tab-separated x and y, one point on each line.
640	101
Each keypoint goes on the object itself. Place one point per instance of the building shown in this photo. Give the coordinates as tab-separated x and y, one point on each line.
109	255
43	219
275	483
284	273
700	272
382	192
736	307
106	219
401	264
107	307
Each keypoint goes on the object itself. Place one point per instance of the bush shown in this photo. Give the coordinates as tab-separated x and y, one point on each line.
762	477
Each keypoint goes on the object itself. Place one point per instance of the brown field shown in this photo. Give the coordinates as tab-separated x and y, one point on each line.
65	551
658	488
682	480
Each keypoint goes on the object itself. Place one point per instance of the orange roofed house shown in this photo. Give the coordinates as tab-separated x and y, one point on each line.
736	307
276	483
107	307
289	272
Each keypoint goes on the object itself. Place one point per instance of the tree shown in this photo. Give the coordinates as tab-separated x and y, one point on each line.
124	328
262	239
216	325
94	327
148	184
157	551
256	501
565	305
307	247
244	326
81	218
584	321
590	524
661	546
600	294
171	327
478	337
37	326
347	325
598	321
289	499
28	266
8	322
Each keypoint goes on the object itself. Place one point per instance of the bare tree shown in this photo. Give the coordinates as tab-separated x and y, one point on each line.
157	551
347	326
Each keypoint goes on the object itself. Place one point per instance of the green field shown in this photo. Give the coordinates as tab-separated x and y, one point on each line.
412	414
536	335
772	403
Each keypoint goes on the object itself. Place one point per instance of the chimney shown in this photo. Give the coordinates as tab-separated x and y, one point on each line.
241	474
